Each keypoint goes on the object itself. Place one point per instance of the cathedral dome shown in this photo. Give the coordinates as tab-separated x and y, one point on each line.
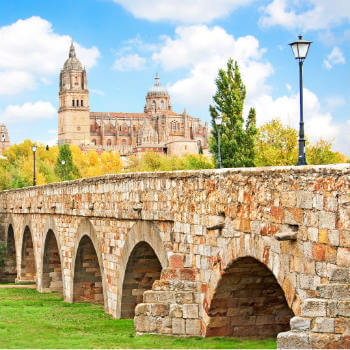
72	63
157	89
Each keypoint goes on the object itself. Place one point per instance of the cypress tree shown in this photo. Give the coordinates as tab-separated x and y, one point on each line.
237	140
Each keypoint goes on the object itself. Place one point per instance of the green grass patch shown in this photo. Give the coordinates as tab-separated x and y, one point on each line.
29	319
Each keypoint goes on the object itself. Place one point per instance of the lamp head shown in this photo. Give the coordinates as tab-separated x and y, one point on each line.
63	162
300	48
34	148
218	119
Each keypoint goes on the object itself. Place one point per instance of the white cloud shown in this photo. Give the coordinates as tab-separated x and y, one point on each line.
318	124
185	11
204	51
28	112
306	15
31	47
335	57
129	63
14	82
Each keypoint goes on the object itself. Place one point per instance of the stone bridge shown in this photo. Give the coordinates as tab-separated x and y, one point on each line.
241	252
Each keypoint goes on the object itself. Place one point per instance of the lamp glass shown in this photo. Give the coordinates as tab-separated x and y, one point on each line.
34	148
218	120
300	48
63	162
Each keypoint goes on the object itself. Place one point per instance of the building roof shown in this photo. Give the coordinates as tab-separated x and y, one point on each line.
117	115
157	89
72	63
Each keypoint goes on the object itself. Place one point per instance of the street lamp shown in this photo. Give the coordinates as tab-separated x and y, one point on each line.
218	122
63	162
300	49
34	178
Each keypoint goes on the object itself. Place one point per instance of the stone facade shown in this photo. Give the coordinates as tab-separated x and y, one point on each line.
158	128
4	138
207	253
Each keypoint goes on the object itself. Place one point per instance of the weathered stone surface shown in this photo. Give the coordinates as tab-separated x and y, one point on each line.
293	340
162	264
314	307
300	323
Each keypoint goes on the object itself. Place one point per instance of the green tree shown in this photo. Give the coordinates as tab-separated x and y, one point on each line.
67	171
276	144
237	141
321	153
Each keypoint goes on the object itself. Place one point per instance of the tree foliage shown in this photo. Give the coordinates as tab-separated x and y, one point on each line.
237	140
68	170
277	144
152	161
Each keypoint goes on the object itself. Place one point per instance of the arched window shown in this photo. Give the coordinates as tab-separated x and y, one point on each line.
72	103
109	142
77	103
94	142
154	104
162	104
81	103
178	126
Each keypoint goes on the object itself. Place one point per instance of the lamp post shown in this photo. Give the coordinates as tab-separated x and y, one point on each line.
300	49
218	122
34	178
63	162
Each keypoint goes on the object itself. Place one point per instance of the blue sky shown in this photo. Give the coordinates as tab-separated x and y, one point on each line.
123	43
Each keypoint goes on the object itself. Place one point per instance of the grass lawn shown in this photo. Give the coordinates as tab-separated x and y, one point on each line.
29	319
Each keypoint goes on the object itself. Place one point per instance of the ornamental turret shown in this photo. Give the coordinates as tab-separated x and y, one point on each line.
157	99
74	111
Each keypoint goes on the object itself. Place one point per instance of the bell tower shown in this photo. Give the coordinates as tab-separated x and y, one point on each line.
74	110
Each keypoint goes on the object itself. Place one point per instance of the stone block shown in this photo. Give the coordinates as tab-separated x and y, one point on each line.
184	298
337	274
323	325
344	308
342	325
343	257
327	220
333	237
176	261
293	216
304	199
190	311
314	307
160	309
145	324
178	326
143	309
175	311
193	327
327	341
300	323
293	340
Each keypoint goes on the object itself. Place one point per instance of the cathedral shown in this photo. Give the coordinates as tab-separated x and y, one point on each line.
158	128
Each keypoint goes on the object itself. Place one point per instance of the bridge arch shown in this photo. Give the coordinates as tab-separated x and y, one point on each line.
8	272
51	271
88	278
28	262
143	239
248	286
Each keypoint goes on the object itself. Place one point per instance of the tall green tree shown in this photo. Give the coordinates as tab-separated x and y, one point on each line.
67	171
237	140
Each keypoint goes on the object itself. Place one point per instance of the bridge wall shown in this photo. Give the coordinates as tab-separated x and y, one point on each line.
238	249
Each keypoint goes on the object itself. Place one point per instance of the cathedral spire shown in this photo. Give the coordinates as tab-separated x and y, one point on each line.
157	80
72	50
